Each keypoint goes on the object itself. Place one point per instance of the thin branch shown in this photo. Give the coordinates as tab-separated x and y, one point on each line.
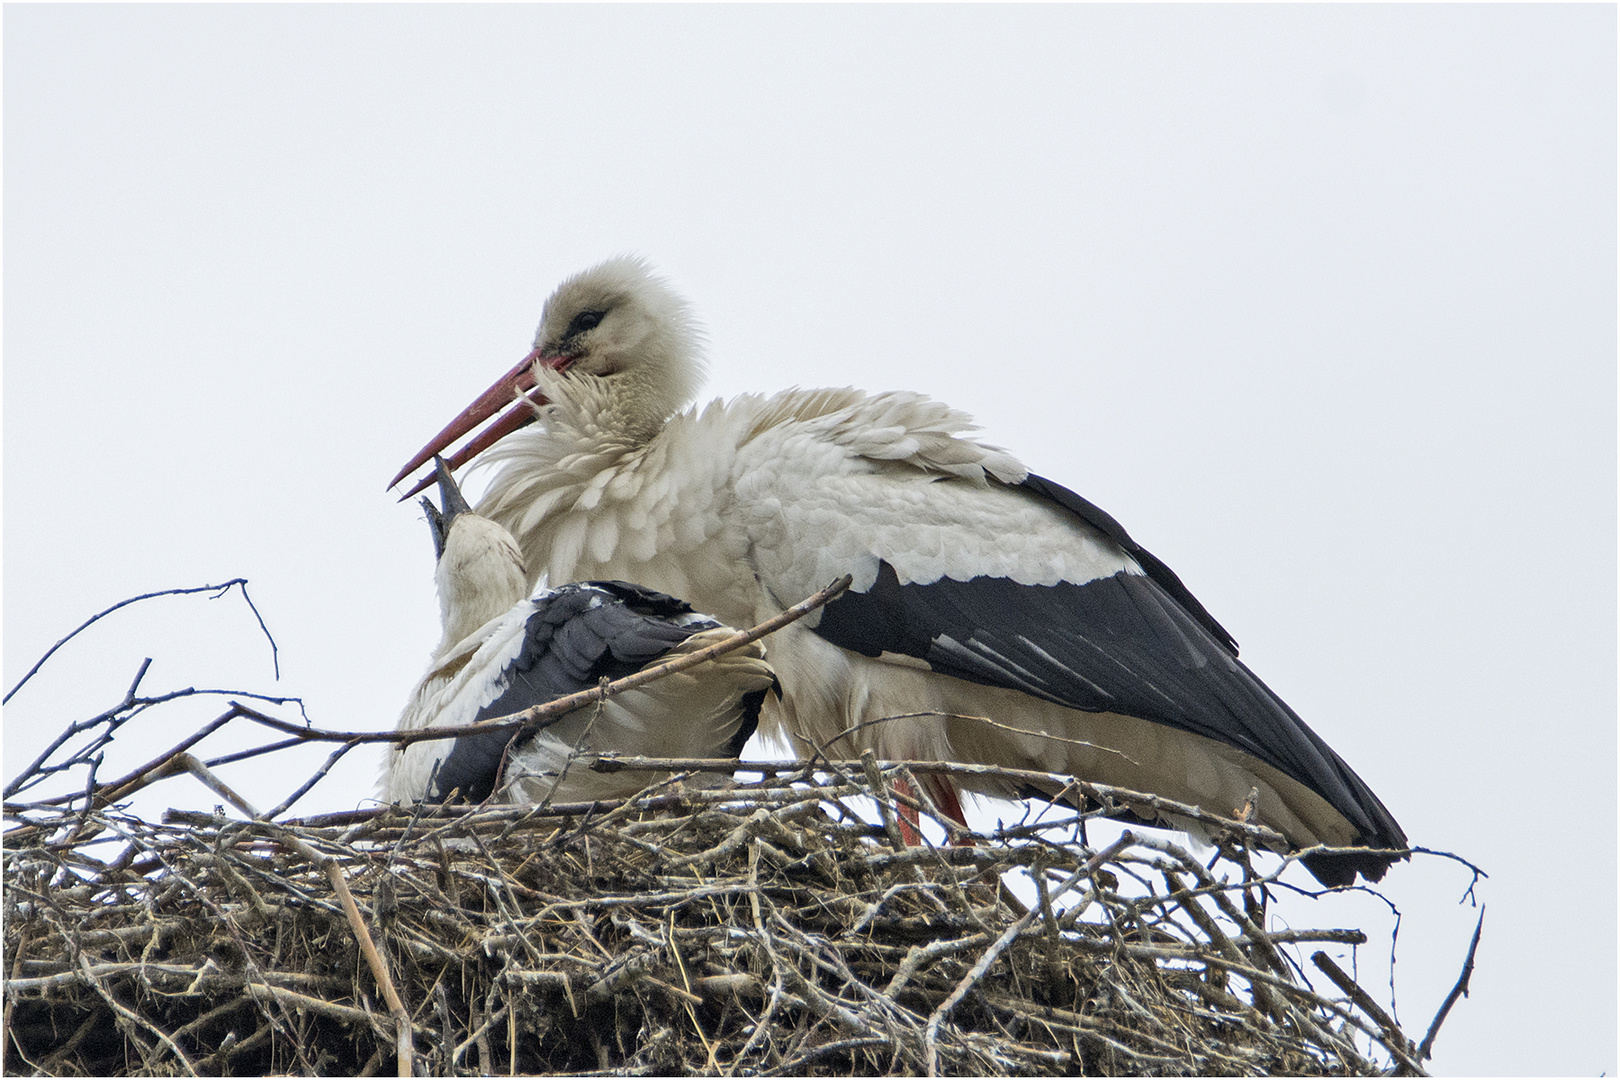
71	730
257	751
37	770
1460	990
275	653
1478	873
312	781
218	590
541	716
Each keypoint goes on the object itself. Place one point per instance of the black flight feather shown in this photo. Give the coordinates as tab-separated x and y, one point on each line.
578	635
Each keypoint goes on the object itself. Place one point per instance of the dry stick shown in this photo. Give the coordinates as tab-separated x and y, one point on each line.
1395	1040
219	589
1043	896
331	760
73	729
11	1000
480	1038
334	873
931	1035
1460	990
139	778
195	977
257	751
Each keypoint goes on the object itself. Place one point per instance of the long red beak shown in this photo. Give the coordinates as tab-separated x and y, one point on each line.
514	384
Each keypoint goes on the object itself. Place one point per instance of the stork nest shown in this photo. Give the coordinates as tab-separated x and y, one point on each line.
765	927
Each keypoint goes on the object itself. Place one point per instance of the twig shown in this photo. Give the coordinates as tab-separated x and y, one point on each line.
73	729
541	716
1397	1042
275	654
1457	991
112	718
303	790
218	590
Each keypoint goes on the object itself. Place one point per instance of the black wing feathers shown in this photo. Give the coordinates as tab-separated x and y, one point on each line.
578	635
581	634
470	768
1133	644
1104	522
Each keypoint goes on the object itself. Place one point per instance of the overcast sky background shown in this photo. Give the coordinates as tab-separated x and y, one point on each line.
1319	302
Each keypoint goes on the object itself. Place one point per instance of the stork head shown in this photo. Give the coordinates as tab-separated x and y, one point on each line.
618	321
480	572
619	335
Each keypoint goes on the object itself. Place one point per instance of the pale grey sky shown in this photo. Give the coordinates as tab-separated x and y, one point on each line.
1318	301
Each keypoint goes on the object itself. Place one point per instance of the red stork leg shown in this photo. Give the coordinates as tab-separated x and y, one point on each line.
943	792
909	830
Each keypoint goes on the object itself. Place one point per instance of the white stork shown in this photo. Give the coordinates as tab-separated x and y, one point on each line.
503	653
980	590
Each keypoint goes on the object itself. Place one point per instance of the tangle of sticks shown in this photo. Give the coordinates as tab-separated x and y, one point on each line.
775	924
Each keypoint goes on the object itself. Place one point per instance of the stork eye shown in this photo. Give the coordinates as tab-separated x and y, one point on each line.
585	320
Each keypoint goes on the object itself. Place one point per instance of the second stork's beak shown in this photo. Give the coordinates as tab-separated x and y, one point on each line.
450	496
515	383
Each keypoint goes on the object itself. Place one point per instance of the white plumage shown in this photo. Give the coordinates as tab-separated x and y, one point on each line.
502	653
979	590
